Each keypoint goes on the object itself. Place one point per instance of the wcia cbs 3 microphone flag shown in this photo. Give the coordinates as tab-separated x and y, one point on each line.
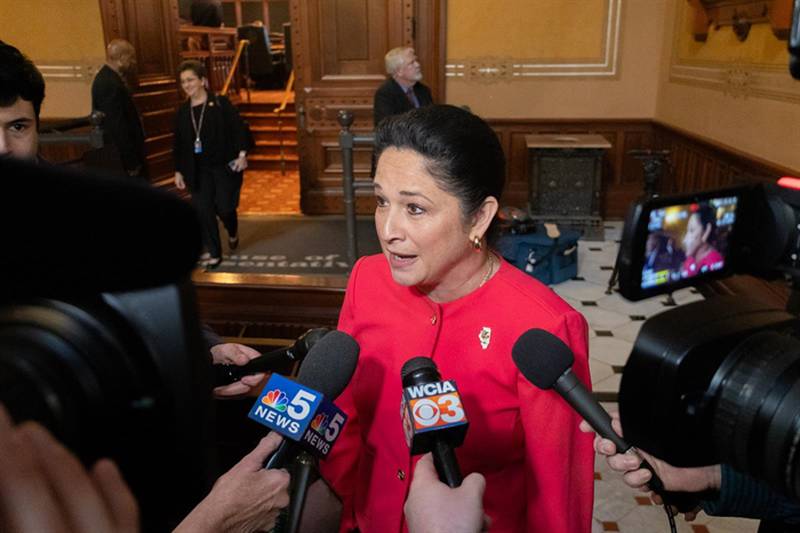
431	407
300	414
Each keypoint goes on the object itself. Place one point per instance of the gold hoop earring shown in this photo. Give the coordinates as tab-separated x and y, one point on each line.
476	243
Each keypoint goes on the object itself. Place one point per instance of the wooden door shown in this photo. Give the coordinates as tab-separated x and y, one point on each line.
338	49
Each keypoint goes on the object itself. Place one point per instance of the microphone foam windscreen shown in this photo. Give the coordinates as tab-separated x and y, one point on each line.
330	364
415	364
541	357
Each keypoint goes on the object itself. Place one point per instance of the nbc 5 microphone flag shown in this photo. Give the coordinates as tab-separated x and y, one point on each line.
324	429
286	407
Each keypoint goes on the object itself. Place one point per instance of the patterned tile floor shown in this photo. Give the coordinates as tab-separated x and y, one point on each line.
268	192
614	323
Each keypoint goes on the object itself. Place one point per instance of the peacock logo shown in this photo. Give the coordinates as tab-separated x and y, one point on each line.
320	423
276	399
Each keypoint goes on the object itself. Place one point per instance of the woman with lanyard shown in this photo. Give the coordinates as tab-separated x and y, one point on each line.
210	156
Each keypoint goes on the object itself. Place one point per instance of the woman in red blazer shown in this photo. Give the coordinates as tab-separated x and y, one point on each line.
439	291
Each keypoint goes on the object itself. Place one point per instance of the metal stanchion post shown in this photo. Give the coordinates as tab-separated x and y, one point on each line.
345	119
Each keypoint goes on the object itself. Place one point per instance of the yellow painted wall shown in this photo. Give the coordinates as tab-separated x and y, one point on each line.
555	31
57	32
766	128
761	48
545	29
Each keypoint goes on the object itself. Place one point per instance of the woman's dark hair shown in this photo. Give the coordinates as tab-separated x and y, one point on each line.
462	152
19	78
707	215
195	66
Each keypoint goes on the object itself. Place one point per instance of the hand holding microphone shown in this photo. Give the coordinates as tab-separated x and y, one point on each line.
238	363
696	479
546	362
433	417
304	414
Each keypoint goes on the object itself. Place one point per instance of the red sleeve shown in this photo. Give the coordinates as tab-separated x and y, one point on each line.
559	459
340	468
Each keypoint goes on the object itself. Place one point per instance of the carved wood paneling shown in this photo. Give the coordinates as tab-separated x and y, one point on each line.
619	188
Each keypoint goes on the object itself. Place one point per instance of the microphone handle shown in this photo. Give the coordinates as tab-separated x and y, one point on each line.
227	374
572	390
446	463
281	457
301	473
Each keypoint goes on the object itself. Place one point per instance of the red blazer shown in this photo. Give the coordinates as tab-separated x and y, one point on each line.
525	441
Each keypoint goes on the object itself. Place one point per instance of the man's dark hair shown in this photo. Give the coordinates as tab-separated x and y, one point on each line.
19	78
462	152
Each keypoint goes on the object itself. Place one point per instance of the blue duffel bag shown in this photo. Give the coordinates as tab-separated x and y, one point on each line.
550	260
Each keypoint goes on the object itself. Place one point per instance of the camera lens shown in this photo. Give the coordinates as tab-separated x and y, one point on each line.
756	423
120	375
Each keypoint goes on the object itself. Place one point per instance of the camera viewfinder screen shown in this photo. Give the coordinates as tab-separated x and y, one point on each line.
687	240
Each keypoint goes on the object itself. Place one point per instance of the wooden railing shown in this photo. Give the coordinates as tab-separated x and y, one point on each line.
235	69
216	48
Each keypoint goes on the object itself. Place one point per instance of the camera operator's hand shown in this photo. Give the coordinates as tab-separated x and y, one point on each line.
432	506
180	184
674	479
44	488
246	498
231	353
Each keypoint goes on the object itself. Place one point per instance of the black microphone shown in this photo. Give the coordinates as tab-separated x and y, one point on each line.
327	368
89	233
225	374
546	362
433	417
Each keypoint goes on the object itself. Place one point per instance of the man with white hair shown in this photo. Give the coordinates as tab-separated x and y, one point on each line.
403	91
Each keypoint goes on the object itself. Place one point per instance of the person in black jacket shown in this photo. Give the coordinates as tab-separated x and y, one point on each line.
210	156
122	125
206	13
403	91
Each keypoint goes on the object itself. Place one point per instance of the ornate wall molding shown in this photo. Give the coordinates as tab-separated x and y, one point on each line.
505	69
739	80
734	78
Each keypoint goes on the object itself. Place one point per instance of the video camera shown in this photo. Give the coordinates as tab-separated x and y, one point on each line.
99	337
715	381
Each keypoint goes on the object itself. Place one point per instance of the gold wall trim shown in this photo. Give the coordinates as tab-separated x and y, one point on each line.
69	71
739	80
496	69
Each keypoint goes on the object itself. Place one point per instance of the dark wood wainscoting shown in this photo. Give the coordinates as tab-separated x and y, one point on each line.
700	164
268	306
622	175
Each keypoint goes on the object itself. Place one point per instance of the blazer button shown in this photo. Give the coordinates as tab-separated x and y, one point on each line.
401	475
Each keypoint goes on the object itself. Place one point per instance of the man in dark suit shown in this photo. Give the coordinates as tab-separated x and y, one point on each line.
110	94
403	91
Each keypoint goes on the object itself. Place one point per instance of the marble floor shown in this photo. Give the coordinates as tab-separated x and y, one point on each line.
614	323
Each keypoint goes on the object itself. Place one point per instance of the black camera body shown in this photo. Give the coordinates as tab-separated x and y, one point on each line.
715	381
99	335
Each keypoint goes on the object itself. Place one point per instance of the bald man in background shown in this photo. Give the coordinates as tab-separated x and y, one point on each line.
122	125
